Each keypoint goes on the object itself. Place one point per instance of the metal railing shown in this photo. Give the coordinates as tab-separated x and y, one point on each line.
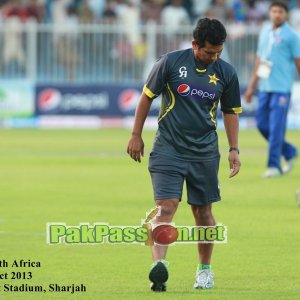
102	53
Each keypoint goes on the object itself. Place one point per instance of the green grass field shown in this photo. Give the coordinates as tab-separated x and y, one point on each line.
86	176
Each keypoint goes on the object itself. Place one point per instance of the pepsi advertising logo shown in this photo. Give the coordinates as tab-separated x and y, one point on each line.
49	99
185	90
68	101
128	99
107	100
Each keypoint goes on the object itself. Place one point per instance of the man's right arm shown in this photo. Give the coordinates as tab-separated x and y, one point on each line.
254	79
135	146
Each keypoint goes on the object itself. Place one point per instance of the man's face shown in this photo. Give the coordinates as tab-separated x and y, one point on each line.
207	54
278	15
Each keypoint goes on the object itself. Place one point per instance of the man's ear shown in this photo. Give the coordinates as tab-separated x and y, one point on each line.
194	44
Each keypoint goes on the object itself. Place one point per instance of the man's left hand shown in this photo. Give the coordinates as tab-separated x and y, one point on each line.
234	163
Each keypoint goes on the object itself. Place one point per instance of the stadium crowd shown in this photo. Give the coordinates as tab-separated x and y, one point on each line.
181	11
243	19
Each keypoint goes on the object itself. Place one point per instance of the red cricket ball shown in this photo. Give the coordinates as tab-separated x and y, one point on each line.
165	234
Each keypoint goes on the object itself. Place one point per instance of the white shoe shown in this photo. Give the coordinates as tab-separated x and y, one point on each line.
289	165
204	279
272	172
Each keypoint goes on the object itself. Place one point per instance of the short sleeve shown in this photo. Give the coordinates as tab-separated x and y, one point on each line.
157	78
295	46
231	97
261	44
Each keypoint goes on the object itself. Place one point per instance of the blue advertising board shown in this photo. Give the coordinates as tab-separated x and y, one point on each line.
94	100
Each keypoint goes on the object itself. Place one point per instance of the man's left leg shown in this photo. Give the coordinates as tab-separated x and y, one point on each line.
288	151
203	189
204	217
278	118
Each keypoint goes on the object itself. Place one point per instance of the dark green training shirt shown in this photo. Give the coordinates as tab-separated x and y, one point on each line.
190	97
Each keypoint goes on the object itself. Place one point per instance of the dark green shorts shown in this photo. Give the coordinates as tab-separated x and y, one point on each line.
201	177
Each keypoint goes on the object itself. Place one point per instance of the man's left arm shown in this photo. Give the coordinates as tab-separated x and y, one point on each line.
231	123
295	50
297	62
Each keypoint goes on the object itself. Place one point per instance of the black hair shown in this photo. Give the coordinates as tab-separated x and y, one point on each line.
210	30
279	4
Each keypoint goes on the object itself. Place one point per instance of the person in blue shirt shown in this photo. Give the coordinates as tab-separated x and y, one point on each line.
278	54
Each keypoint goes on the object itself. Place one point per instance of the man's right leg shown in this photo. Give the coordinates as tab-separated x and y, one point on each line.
262	114
167	174
159	273
264	125
168	208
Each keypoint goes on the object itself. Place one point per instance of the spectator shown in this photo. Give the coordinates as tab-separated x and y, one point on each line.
130	42
97	7
263	7
35	10
109	14
188	6
120	6
173	16
239	9
130	22
199	8
151	10
14	8
59	11
66	35
217	10
13	50
254	14
86	15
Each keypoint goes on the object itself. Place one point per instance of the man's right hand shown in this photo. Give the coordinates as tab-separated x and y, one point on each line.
248	95
135	147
